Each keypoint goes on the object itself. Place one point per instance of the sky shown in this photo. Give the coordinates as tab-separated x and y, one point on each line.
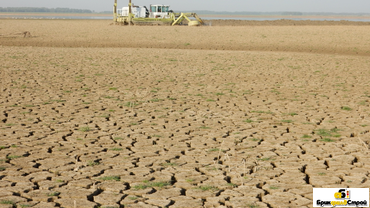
336	6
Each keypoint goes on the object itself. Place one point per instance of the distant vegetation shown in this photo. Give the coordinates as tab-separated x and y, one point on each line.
245	13
68	10
43	10
279	13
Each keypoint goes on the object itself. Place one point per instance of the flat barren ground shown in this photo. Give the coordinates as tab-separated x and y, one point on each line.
100	115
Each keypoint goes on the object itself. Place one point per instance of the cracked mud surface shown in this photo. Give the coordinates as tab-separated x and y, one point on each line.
85	124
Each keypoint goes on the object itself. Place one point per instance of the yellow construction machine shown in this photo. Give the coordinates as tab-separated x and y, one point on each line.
158	14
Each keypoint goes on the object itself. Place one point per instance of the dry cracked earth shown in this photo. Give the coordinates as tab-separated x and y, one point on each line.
100	126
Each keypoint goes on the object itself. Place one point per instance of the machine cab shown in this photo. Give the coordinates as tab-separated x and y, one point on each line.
159	11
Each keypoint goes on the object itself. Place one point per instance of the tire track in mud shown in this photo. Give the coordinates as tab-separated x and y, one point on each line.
198	46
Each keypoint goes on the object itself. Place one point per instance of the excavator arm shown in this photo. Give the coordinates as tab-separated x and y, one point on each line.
186	16
198	18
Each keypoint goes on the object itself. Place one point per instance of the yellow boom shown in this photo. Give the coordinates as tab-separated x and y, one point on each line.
186	16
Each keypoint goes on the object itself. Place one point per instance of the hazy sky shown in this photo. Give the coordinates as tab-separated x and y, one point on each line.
349	6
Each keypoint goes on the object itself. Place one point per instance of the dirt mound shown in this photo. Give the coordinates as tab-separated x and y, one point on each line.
26	34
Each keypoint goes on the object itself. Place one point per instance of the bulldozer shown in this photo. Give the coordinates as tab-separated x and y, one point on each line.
157	14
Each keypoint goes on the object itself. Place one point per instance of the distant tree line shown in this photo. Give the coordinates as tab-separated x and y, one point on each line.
68	10
292	13
43	10
278	13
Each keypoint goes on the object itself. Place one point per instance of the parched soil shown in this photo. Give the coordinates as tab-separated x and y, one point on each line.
100	115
